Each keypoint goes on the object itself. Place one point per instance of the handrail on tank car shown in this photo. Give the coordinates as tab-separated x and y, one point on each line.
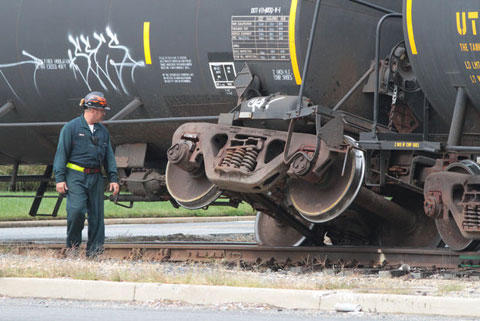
354	88
117	122
372	68
307	57
377	68
288	158
373	6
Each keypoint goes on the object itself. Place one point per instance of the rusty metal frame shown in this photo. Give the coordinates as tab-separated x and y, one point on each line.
236	179
441	199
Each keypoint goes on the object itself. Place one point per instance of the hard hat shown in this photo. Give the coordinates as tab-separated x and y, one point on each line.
95	99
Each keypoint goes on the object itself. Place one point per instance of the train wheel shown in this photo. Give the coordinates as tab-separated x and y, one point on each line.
319	203
448	229
189	190
271	232
453	238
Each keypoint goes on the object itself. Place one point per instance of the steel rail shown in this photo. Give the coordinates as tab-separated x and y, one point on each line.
249	253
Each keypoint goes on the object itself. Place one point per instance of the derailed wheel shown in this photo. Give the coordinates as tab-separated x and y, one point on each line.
448	229
191	191
322	202
271	232
452	236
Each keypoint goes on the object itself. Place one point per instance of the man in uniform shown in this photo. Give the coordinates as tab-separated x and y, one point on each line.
83	147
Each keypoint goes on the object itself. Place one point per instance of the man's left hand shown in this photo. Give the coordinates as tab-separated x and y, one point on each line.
115	188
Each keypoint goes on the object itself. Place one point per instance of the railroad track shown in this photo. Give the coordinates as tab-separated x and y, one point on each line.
249	253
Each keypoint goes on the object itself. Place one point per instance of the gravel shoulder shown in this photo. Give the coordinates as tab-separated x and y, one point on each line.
34	275
300	278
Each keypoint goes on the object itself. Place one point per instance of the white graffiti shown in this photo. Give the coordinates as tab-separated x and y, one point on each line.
259	103
33	61
97	59
256	103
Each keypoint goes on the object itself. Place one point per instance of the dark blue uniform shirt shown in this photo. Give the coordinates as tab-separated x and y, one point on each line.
79	146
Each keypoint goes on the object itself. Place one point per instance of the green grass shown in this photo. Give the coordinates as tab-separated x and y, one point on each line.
17	209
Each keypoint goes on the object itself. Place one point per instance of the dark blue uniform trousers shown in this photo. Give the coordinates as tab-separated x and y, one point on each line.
85	195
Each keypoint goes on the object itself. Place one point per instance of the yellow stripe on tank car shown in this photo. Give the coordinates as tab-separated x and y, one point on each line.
146	42
291	42
411	37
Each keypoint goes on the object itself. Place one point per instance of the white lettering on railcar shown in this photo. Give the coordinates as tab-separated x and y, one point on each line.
175	63
282	74
54	64
177	78
265	10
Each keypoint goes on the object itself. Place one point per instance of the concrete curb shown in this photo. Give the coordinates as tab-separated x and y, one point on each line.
200	294
152	220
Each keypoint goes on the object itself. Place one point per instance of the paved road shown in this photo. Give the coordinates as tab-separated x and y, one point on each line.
129	230
49	310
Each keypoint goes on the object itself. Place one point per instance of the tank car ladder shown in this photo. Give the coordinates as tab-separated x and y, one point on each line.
41	194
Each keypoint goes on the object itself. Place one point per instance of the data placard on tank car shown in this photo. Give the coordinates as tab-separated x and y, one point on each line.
223	74
260	38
